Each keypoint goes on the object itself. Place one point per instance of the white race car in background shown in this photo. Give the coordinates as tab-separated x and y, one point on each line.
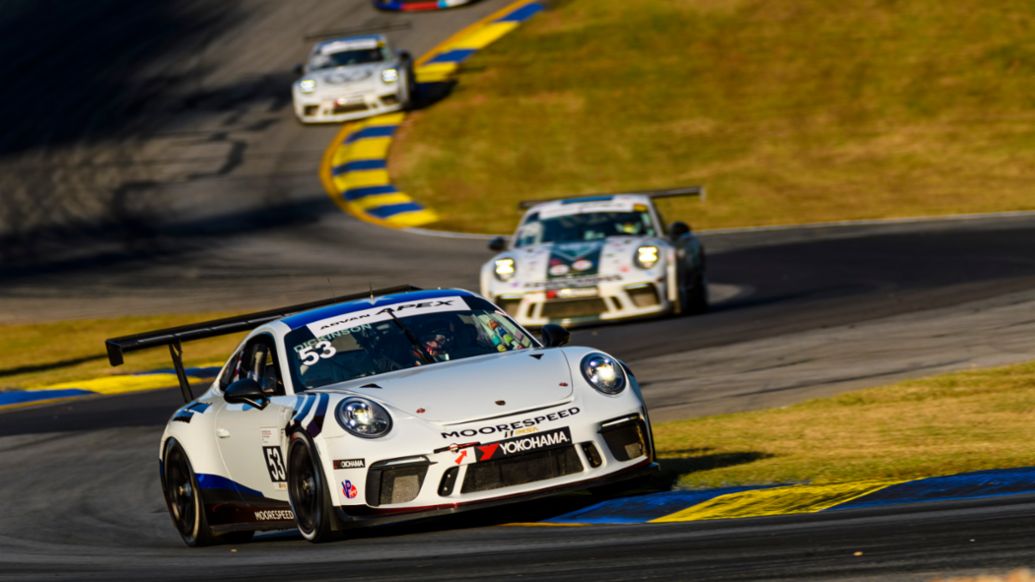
351	78
597	258
384	407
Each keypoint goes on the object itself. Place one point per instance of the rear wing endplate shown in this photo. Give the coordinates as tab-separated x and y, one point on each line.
666	193
174	337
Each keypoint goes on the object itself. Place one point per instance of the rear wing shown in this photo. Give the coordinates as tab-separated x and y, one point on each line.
174	337
667	193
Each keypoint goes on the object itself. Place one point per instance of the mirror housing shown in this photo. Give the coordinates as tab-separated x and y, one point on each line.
246	391
498	244
554	336
678	230
299	69
405	56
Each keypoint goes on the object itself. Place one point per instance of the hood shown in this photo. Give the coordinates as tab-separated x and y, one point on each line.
557	262
472	388
354	78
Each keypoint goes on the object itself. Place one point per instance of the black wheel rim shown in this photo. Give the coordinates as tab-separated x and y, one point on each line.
304	489
180	492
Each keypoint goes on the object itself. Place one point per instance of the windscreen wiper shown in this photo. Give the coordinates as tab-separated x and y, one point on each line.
423	353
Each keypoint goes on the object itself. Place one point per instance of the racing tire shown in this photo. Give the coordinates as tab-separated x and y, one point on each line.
308	492
410	78
183	497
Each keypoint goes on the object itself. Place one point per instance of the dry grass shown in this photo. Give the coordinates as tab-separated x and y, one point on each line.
965	421
789	111
40	354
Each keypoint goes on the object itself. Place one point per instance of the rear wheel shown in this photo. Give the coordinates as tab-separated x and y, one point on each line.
183	498
308	493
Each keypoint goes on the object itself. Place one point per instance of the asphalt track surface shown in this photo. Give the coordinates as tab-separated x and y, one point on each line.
161	171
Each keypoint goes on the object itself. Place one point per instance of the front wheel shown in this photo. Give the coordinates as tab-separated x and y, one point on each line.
308	493
183	498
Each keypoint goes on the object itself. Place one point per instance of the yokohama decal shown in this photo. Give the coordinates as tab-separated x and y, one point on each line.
516	446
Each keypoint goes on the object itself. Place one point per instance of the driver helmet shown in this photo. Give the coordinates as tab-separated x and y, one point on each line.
435	335
629	227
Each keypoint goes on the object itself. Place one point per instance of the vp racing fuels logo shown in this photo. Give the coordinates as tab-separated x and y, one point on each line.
517	424
516	446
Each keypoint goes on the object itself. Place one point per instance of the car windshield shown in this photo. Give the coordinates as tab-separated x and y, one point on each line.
348	57
399	336
585	226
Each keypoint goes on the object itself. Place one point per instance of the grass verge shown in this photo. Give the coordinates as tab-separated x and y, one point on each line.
790	111
952	423
46	353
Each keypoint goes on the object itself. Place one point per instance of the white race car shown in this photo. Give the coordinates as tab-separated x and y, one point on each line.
352	78
376	408
597	258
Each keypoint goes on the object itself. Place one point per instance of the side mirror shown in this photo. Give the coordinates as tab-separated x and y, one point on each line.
498	244
678	230
246	391
299	70
405	56
554	336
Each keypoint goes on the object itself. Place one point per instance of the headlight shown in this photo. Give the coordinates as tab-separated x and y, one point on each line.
647	256
505	269
307	85
363	418
390	76
603	373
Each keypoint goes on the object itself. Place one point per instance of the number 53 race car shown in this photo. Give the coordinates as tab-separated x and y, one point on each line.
597	258
388	406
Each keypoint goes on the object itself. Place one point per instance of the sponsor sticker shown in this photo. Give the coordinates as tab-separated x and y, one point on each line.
384	313
349	490
523	444
350	464
586	207
274	515
464	457
348	45
269	435
512	426
582	265
559	270
580	282
577	292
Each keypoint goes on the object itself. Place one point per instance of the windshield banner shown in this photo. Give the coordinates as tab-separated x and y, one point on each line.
625	205
385	312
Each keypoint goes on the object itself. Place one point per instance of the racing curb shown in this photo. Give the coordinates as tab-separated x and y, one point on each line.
354	168
763	501
108	385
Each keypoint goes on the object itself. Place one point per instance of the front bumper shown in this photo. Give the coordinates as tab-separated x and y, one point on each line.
575	305
458	476
329	109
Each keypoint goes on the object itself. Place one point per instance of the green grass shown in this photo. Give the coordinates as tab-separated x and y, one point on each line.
789	111
964	421
47	353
